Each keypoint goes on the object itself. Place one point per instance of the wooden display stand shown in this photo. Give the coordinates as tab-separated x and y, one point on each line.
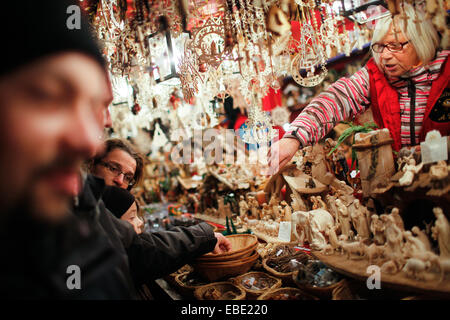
189	183
270	239
375	159
399	281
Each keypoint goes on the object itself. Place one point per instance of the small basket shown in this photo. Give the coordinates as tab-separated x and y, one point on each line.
343	291
286	277
325	293
230	257
220	288
239	243
219	270
272	294
185	289
184	269
252	294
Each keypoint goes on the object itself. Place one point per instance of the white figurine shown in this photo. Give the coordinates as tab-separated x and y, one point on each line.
441	232
343	218
318	203
265	212
412	244
394	241
415	268
243	207
444	267
352	248
422	237
410	170
297	203
313	225
334	244
373	252
359	218
377	229
286	212
331	205
395	214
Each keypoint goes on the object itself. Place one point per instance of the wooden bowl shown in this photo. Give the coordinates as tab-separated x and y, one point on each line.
230	257
219	270
272	294
227	262
239	243
255	293
325	293
219	288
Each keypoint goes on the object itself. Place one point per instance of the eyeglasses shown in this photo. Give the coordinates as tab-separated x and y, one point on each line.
117	171
392	47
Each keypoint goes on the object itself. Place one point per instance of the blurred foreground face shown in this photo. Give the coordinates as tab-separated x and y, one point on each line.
52	114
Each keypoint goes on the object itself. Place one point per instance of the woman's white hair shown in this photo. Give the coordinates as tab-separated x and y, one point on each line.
423	36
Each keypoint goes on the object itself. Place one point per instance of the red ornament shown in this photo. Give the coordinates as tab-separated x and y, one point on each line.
136	108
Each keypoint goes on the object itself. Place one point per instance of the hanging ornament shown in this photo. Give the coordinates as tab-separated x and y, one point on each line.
280	116
159	138
208	42
258	128
310	56
136	108
190	73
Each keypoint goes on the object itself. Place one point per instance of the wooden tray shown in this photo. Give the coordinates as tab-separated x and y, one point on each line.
357	269
189	183
298	184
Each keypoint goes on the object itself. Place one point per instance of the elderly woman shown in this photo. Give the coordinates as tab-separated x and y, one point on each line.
402	84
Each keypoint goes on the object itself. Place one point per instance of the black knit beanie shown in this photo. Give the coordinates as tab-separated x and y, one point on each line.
117	200
33	29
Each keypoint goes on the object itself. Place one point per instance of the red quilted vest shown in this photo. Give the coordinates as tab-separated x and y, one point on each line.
386	106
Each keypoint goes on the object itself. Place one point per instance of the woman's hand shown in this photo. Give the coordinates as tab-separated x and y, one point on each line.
281	152
223	244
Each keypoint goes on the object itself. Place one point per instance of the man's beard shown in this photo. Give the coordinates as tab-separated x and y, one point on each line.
37	200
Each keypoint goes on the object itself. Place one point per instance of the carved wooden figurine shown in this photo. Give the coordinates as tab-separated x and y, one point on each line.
313	224
441	233
410	170
359	218
377	229
344	219
243	207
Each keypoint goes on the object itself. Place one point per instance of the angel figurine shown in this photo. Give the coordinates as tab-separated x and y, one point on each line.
410	170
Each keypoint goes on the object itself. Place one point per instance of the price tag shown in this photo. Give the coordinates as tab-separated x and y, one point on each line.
434	148
284	233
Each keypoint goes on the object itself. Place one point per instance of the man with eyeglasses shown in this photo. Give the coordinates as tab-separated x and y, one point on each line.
405	85
119	165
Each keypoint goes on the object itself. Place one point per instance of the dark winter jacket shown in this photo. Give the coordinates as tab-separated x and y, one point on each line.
144	257
40	260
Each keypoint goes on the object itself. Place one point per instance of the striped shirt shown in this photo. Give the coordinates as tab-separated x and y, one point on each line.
348	97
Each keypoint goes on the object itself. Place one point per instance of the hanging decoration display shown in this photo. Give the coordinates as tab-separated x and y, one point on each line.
208	49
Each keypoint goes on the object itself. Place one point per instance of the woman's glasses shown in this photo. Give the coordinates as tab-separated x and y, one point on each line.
392	47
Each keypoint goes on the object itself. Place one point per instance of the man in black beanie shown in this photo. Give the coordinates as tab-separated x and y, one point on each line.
54	94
